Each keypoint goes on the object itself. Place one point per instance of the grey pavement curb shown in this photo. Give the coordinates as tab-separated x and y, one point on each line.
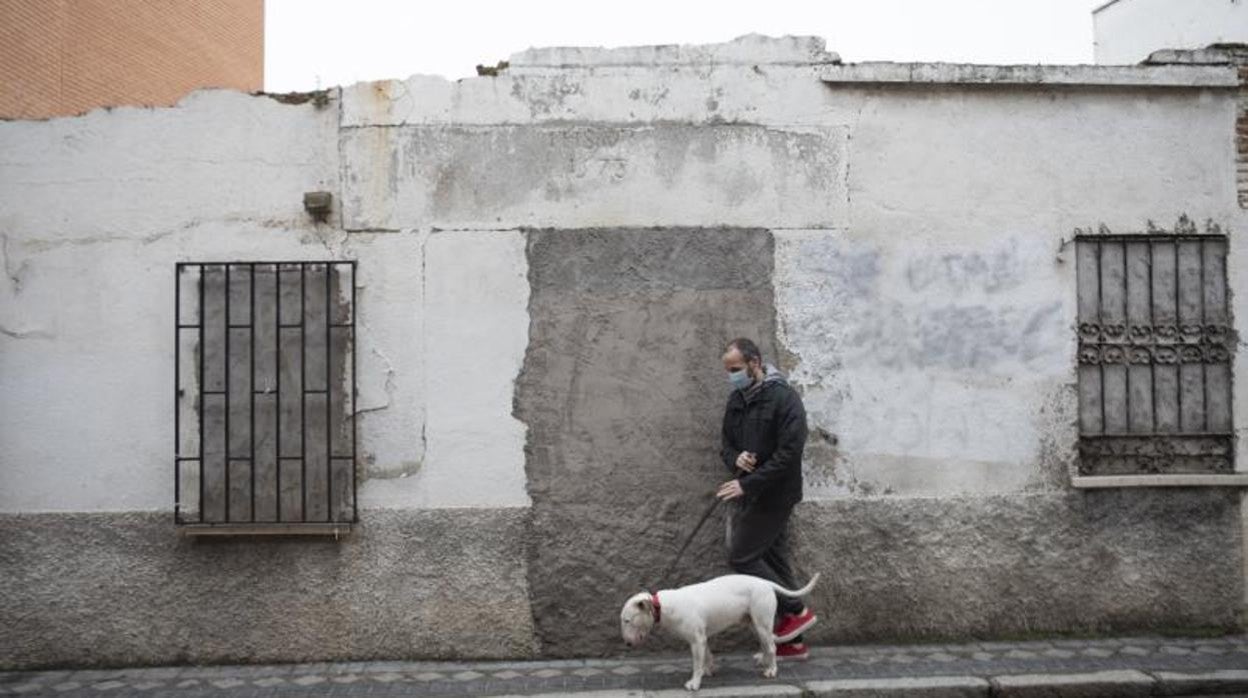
1126	682
924	687
776	691
1094	684
1173	683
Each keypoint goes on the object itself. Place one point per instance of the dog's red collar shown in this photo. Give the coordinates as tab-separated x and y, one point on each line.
656	607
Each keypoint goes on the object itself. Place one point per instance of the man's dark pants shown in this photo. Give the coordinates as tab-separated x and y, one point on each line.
758	545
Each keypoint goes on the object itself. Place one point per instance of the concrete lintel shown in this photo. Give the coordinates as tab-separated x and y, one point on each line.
1171	76
1168	480
488	176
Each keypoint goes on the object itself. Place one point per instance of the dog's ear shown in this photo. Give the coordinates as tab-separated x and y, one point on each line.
645	604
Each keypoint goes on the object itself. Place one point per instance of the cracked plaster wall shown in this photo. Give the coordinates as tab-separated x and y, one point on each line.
923	291
95	210
935	335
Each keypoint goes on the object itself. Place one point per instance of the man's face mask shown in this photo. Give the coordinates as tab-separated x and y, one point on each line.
740	378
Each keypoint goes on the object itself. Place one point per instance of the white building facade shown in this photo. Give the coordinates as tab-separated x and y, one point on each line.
549	262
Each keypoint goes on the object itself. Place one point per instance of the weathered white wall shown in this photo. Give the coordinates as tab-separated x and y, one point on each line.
924	291
475	328
924	285
94	211
941	366
935	332
1237	283
1126	31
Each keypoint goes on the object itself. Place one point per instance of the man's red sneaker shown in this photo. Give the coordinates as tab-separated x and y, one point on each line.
790	626
792	651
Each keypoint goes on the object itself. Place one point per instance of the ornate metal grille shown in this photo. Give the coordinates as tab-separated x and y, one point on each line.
1154	353
265	395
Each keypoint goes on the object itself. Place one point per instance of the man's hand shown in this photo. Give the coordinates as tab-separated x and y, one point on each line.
730	490
746	461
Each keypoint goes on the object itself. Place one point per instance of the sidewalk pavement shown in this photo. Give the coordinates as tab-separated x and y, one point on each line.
1131	666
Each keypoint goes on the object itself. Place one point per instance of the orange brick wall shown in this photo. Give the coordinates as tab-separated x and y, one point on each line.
69	56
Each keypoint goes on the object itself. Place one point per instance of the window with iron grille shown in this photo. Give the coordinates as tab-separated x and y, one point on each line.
1155	344
265	396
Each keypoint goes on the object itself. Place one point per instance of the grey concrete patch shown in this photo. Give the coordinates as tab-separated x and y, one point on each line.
125	589
1103	562
926	686
611	506
623	394
1091	685
593	174
1173	683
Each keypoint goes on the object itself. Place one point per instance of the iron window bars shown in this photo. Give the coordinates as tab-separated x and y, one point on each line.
1155	344
264	428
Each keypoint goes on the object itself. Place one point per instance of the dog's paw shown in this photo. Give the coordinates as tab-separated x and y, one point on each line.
692	685
769	672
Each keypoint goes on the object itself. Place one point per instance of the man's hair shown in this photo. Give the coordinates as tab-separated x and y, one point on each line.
749	350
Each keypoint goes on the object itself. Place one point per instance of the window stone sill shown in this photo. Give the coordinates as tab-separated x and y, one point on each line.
337	530
1167	480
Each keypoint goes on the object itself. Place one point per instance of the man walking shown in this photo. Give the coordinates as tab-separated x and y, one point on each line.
763	436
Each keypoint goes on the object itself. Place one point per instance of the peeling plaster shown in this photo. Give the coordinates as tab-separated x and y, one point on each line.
936	367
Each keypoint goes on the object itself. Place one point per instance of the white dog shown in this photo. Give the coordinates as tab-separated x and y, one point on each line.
697	611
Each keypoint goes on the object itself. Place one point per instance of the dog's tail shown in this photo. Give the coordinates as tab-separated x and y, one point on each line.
800	592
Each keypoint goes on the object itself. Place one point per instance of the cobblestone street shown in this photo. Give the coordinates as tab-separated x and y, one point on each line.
1120	666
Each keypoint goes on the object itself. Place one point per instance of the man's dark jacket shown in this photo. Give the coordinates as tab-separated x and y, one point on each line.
770	422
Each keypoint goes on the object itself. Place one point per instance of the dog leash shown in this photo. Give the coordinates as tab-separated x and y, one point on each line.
705	515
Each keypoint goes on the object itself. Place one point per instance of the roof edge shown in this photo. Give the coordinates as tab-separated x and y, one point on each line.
1141	76
746	49
1103	5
